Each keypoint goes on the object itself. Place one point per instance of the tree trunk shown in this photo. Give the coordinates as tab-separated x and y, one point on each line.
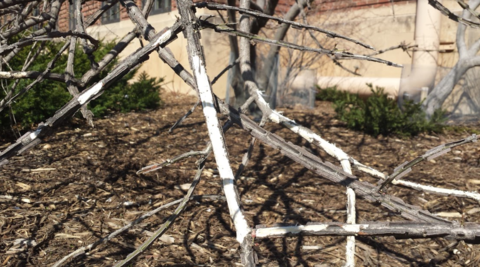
268	63
439	94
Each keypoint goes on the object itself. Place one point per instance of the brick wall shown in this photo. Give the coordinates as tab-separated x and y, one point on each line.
62	22
89	8
339	5
283	6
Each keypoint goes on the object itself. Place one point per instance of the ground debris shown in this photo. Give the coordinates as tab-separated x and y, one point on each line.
67	194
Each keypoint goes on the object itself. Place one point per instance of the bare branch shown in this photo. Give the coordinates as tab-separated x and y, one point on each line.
85	249
169	221
179	121
215	79
470	232
33	75
95	16
246	157
406	167
445	11
31	139
51	17
197	62
330	171
215	6
425	188
466	7
156	166
338	55
9	98
49	37
9	3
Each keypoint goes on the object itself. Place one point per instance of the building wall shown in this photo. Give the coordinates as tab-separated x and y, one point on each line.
215	45
382	27
380	23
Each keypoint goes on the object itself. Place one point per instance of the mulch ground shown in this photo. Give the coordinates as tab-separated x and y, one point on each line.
81	184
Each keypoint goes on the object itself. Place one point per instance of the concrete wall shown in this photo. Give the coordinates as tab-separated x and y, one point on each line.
215	47
382	27
380	23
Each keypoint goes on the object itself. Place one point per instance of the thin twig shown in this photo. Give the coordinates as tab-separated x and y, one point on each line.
169	221
214	6
225	70
255	38
129	225
445	11
179	121
406	167
246	157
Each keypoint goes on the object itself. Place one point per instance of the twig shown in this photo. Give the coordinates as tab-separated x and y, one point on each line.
169	221
32	138
214	6
246	157
256	38
437	5
467	7
225	70
423	188
9	98
179	121
335	61
205	152
33	75
69	73
406	167
112	235
403	46
95	16
49	37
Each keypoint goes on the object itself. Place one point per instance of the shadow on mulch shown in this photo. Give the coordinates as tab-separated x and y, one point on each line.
81	184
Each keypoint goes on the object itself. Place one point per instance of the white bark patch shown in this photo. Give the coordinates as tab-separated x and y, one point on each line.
163	38
351	214
280	231
440	191
219	149
90	93
35	134
311	137
9	75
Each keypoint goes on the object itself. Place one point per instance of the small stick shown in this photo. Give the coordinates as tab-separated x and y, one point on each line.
259	39
246	157
406	167
214	6
169	221
225	70
84	249
179	122
205	152
425	188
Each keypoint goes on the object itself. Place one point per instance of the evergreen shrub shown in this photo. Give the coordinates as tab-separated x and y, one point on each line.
46	97
379	114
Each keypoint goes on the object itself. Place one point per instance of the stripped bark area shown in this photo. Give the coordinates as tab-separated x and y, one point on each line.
252	17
